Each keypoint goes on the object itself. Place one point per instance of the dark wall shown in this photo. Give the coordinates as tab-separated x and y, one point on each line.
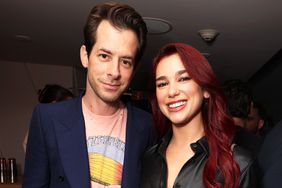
267	86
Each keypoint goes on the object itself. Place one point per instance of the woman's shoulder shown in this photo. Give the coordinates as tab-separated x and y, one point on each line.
153	155
248	167
156	154
152	151
243	157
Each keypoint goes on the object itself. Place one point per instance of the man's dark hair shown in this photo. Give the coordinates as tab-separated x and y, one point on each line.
238	98
120	16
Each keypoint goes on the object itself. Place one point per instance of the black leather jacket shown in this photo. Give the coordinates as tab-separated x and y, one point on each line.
154	168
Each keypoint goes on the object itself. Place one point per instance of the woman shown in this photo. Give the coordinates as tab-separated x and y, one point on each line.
196	149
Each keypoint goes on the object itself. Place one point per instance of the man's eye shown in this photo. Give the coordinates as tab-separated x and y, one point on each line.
127	63
103	56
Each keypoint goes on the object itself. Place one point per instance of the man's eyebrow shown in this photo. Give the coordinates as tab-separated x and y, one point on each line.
128	57
105	50
109	52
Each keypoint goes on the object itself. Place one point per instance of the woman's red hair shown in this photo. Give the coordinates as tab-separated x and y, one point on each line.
219	127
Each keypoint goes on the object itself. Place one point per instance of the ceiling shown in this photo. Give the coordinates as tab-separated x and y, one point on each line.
250	32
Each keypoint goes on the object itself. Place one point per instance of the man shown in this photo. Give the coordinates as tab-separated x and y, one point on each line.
239	99
259	122
255	121
94	140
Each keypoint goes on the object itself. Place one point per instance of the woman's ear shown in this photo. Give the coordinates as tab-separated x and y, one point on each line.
83	56
206	95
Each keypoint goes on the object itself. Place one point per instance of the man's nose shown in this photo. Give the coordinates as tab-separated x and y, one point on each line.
114	69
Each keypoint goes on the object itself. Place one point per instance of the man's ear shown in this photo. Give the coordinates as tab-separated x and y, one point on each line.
260	124
83	56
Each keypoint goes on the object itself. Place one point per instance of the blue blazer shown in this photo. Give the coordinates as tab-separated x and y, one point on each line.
57	156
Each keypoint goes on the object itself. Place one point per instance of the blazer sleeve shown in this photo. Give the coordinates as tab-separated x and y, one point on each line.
36	171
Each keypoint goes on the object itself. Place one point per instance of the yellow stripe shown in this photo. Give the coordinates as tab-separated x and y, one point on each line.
105	170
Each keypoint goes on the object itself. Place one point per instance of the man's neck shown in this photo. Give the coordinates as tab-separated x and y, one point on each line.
99	107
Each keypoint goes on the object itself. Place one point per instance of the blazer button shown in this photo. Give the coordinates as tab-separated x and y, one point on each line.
61	178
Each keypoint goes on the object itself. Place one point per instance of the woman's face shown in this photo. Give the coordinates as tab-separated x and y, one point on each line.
179	97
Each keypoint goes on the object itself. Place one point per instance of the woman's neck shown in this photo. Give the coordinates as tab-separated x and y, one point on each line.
189	133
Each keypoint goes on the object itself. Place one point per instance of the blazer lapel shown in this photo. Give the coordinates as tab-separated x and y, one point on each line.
72	147
133	142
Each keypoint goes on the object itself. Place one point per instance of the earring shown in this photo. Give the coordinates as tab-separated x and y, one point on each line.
206	95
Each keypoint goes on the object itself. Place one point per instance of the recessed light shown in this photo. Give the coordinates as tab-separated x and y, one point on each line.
157	26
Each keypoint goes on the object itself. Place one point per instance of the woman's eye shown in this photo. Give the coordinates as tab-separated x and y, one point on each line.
182	79
160	85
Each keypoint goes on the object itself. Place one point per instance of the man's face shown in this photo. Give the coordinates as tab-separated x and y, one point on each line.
254	121
111	62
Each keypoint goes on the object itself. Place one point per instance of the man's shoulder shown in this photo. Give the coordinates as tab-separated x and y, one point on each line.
59	108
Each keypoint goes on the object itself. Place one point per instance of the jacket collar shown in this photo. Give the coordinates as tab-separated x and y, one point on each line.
198	147
134	138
